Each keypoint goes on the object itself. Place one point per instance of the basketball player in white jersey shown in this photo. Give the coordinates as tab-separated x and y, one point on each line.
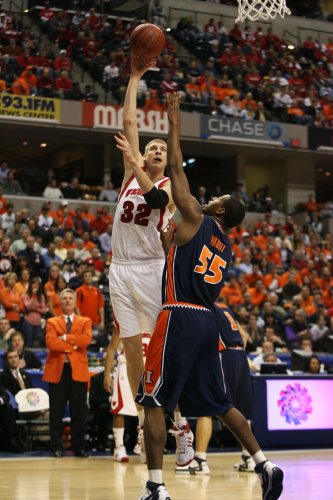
144	208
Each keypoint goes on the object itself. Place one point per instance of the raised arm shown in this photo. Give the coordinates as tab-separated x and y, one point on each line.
138	69
186	203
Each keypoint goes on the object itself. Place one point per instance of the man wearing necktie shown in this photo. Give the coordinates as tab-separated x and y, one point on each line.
14	379
66	370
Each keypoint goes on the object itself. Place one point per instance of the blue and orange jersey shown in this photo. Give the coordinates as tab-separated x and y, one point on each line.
195	272
228	329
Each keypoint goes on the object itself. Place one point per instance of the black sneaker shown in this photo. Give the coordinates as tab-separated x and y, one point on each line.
271	478
155	491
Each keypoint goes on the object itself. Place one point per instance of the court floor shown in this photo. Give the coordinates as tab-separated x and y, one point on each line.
308	476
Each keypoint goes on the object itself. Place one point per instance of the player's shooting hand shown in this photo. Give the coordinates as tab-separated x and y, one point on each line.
173	100
139	66
125	147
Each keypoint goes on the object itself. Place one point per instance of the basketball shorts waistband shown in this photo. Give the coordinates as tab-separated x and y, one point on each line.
184	305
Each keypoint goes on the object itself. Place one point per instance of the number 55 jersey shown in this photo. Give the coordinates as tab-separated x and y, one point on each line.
135	233
194	273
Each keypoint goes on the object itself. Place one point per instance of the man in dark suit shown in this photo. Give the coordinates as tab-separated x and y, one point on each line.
13	378
28	359
66	370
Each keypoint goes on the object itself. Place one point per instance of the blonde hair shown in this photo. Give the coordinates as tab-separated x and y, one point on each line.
8	276
154	140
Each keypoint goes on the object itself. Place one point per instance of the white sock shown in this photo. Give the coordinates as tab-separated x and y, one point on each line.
201	455
177	416
118	434
156	476
141	417
259	457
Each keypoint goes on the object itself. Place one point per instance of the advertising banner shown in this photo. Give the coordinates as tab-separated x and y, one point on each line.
111	117
299	404
272	133
21	107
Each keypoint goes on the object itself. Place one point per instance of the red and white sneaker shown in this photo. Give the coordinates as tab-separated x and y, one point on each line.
184	440
120	454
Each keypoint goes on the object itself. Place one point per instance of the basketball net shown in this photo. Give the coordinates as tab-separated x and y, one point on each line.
254	10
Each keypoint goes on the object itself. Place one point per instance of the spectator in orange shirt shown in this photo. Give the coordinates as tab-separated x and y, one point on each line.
3	86
273	255
30	79
53	297
153	102
86	214
69	241
89	245
192	91
106	214
22	284
54	274
99	223
90	302
255	276
258	294
273	280
311	206
232	292
20	86
11	300
307	303
249	101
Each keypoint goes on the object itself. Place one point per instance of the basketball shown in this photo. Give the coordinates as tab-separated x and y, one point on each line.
147	41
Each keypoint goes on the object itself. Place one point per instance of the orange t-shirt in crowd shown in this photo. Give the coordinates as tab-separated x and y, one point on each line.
21	288
257	298
8	298
49	287
54	299
285	276
233	295
269	278
89	245
308	306
88	301
251	278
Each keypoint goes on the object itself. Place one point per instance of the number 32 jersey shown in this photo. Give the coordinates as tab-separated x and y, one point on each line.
135	233
194	273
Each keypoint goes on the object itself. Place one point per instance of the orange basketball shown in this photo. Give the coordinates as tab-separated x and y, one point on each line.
147	41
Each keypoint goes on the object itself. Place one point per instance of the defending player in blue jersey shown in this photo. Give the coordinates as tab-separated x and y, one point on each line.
183	363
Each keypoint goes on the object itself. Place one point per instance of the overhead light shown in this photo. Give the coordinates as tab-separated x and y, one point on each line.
25	143
168	29
26	11
43	144
291	47
190	161
328	174
184	164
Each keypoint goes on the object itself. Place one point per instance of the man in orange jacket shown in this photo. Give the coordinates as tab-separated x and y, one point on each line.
66	370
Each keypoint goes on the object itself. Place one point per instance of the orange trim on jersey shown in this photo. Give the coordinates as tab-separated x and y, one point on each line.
126	186
162	212
170	290
154	360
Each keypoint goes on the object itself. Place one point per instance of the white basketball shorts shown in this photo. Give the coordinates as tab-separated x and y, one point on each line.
136	294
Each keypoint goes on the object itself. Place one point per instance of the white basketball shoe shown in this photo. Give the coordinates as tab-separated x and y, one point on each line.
197	467
184	440
120	454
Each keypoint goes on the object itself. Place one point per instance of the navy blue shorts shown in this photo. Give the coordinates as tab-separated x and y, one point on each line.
237	380
183	364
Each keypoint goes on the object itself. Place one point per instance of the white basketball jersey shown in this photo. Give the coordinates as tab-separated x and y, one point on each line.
135	233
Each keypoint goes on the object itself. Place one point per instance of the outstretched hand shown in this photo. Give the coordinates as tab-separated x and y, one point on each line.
173	100
139	66
125	147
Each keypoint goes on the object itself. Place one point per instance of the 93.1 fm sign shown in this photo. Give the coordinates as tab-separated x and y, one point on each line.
19	107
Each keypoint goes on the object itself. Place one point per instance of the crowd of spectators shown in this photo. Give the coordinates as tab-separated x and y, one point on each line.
242	73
